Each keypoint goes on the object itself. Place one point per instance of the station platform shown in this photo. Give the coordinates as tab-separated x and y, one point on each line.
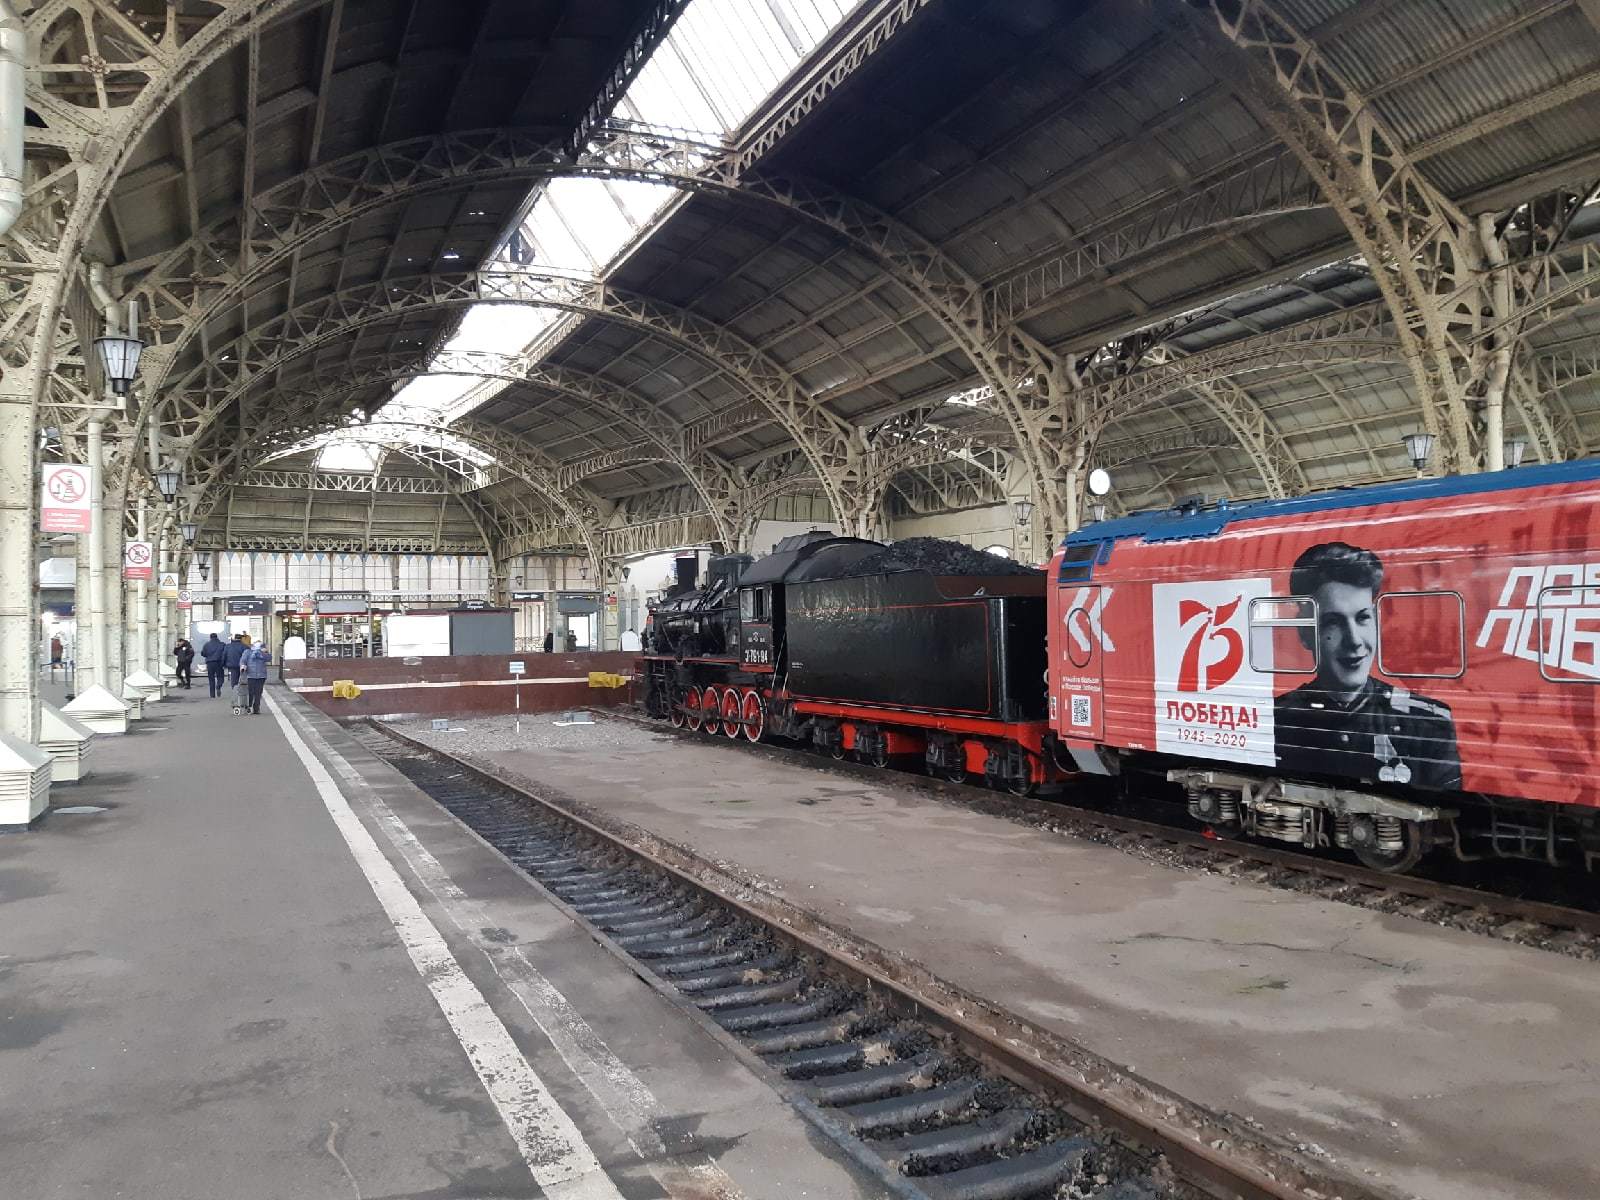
1429	1061
262	965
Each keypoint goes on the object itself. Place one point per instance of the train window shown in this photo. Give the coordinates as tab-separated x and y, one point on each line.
1568	635
1283	635
1422	635
753	604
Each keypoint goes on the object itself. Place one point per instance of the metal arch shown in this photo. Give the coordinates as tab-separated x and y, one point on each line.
520	460
1426	256
712	476
1242	415
826	439
363	182
100	138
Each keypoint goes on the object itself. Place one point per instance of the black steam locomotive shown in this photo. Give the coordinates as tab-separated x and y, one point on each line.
923	647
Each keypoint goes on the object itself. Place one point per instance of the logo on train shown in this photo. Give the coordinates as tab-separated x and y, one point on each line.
1214	648
1212	698
1557	623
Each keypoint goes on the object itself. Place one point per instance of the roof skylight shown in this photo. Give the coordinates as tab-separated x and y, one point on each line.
719	63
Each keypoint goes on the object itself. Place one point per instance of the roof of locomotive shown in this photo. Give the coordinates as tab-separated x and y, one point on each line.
802	556
1168	525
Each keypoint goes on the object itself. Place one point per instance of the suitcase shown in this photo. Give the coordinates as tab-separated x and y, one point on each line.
241	696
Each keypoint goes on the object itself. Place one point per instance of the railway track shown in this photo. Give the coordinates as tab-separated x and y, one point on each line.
1558	928
936	1091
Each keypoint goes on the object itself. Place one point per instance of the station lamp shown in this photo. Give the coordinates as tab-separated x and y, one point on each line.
1515	448
1418	447
202	559
1023	509
119	359
169	479
1097	512
188	529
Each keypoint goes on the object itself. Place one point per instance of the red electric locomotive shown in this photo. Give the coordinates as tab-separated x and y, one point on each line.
1386	669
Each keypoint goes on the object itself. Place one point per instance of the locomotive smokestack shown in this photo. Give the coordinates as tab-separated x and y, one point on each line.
688	572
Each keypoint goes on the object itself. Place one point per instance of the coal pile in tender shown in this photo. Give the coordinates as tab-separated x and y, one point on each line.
938	557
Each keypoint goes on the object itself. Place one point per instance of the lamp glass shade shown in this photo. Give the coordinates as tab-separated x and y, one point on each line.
1023	509
119	359
1515	448
1097	511
169	480
1419	446
203	557
188	529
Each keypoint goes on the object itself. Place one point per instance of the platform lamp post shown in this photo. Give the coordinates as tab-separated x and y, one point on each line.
1418	447
1022	539
1514	450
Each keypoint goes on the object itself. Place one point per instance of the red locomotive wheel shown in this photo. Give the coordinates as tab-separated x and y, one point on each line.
676	705
711	709
694	710
755	716
732	721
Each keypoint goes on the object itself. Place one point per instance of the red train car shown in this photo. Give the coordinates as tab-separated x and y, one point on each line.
1387	669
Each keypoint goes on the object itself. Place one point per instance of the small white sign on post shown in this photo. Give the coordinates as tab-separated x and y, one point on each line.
518	670
64	506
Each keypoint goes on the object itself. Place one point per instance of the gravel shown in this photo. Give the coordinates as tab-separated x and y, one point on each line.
498	734
938	557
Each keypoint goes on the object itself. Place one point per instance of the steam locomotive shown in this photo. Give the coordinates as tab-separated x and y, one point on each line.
1389	670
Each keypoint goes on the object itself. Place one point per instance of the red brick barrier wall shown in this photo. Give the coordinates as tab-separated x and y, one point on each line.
463	685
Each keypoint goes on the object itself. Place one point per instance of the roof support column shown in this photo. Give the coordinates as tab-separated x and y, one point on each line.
19	607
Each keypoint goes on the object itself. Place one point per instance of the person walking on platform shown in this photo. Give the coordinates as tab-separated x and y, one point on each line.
183	655
214	652
549	641
231	656
256	660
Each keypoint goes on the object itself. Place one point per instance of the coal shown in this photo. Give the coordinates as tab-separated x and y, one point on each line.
937	557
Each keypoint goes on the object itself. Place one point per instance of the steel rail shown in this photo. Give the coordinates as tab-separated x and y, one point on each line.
1223	1158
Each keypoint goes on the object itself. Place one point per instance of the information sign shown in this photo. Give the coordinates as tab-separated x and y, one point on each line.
136	560
64	506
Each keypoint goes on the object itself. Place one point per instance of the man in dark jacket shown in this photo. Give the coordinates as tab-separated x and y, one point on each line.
183	655
232	655
213	652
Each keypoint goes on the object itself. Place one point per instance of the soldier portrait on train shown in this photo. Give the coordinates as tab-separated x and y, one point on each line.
1343	722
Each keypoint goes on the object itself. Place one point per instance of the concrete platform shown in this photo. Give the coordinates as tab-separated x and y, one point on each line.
267	972
1436	1062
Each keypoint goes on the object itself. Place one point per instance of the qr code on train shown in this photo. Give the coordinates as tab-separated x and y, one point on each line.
1081	710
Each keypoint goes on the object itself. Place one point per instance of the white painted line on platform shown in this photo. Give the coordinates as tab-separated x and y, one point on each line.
560	1160
621	1093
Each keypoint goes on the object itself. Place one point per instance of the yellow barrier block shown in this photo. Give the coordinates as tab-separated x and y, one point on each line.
605	679
345	689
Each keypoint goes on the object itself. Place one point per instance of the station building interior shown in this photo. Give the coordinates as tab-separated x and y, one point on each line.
449	356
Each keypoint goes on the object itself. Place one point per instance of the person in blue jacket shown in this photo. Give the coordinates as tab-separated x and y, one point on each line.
256	660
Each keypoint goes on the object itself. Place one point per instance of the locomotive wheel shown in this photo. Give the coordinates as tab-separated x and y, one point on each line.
675	706
1020	787
732	722
755	716
1396	862
879	755
694	713
711	707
